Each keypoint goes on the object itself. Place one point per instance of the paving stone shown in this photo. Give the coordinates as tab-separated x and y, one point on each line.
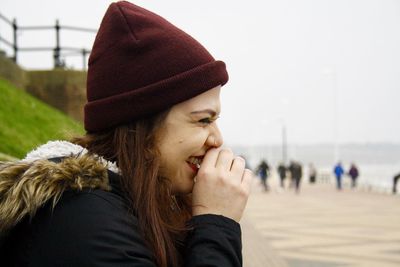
321	227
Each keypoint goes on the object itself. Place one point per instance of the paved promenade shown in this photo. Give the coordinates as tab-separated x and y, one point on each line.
321	227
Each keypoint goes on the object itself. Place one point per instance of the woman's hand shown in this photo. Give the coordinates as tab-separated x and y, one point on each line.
222	185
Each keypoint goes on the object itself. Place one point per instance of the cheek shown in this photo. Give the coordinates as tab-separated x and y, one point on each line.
196	139
181	145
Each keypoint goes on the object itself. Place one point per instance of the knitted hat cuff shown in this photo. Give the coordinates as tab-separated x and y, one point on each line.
135	103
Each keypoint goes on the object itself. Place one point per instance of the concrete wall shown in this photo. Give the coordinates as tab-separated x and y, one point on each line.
62	89
11	71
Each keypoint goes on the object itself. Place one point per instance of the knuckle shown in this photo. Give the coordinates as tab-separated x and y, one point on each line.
226	151
243	192
239	162
221	174
248	172
240	159
214	174
225	184
204	173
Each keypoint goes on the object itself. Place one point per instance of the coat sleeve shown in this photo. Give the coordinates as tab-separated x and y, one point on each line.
95	229
89	229
213	241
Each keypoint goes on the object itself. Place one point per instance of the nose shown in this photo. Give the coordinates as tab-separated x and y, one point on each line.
215	138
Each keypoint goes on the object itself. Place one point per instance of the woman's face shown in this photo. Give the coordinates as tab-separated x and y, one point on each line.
189	130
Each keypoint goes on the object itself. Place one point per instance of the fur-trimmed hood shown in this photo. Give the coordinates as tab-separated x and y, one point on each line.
27	185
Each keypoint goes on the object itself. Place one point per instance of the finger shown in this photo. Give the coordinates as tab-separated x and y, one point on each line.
224	161
238	166
237	169
247	179
210	158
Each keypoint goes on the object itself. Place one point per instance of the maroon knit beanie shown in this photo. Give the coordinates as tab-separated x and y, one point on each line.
140	65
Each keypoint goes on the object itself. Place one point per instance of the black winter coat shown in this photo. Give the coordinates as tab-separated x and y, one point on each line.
94	228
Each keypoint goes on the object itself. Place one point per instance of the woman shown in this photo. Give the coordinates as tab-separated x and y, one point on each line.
149	184
353	173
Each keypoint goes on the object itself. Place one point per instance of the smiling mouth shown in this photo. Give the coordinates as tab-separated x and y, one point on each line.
195	163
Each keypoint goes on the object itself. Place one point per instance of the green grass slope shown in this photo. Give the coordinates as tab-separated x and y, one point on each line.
26	122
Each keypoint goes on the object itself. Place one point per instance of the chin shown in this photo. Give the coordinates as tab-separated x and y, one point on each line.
183	189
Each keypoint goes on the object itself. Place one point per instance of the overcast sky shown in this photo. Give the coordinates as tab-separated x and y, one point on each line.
288	61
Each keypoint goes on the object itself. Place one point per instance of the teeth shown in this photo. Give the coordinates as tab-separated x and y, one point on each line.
195	161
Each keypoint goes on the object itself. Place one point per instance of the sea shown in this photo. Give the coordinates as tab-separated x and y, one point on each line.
378	163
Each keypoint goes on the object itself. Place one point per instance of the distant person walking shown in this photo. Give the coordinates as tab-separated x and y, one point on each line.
263	172
339	171
296	172
282	174
312	173
395	179
353	173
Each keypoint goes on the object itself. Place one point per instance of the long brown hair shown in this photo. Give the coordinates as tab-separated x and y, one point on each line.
161	216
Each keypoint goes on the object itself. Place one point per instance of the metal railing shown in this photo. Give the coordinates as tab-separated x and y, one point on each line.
57	50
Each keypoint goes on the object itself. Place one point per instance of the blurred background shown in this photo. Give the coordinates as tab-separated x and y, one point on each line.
311	81
315	80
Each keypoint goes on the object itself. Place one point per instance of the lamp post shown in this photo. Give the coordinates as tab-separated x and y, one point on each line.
335	117
285	103
331	72
284	143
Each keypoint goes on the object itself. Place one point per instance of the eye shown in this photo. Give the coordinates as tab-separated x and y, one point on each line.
206	121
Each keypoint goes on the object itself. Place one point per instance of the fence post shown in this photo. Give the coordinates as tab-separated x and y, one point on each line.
15	44
84	53
57	60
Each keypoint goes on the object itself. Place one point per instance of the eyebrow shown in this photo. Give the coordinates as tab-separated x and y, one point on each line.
209	111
